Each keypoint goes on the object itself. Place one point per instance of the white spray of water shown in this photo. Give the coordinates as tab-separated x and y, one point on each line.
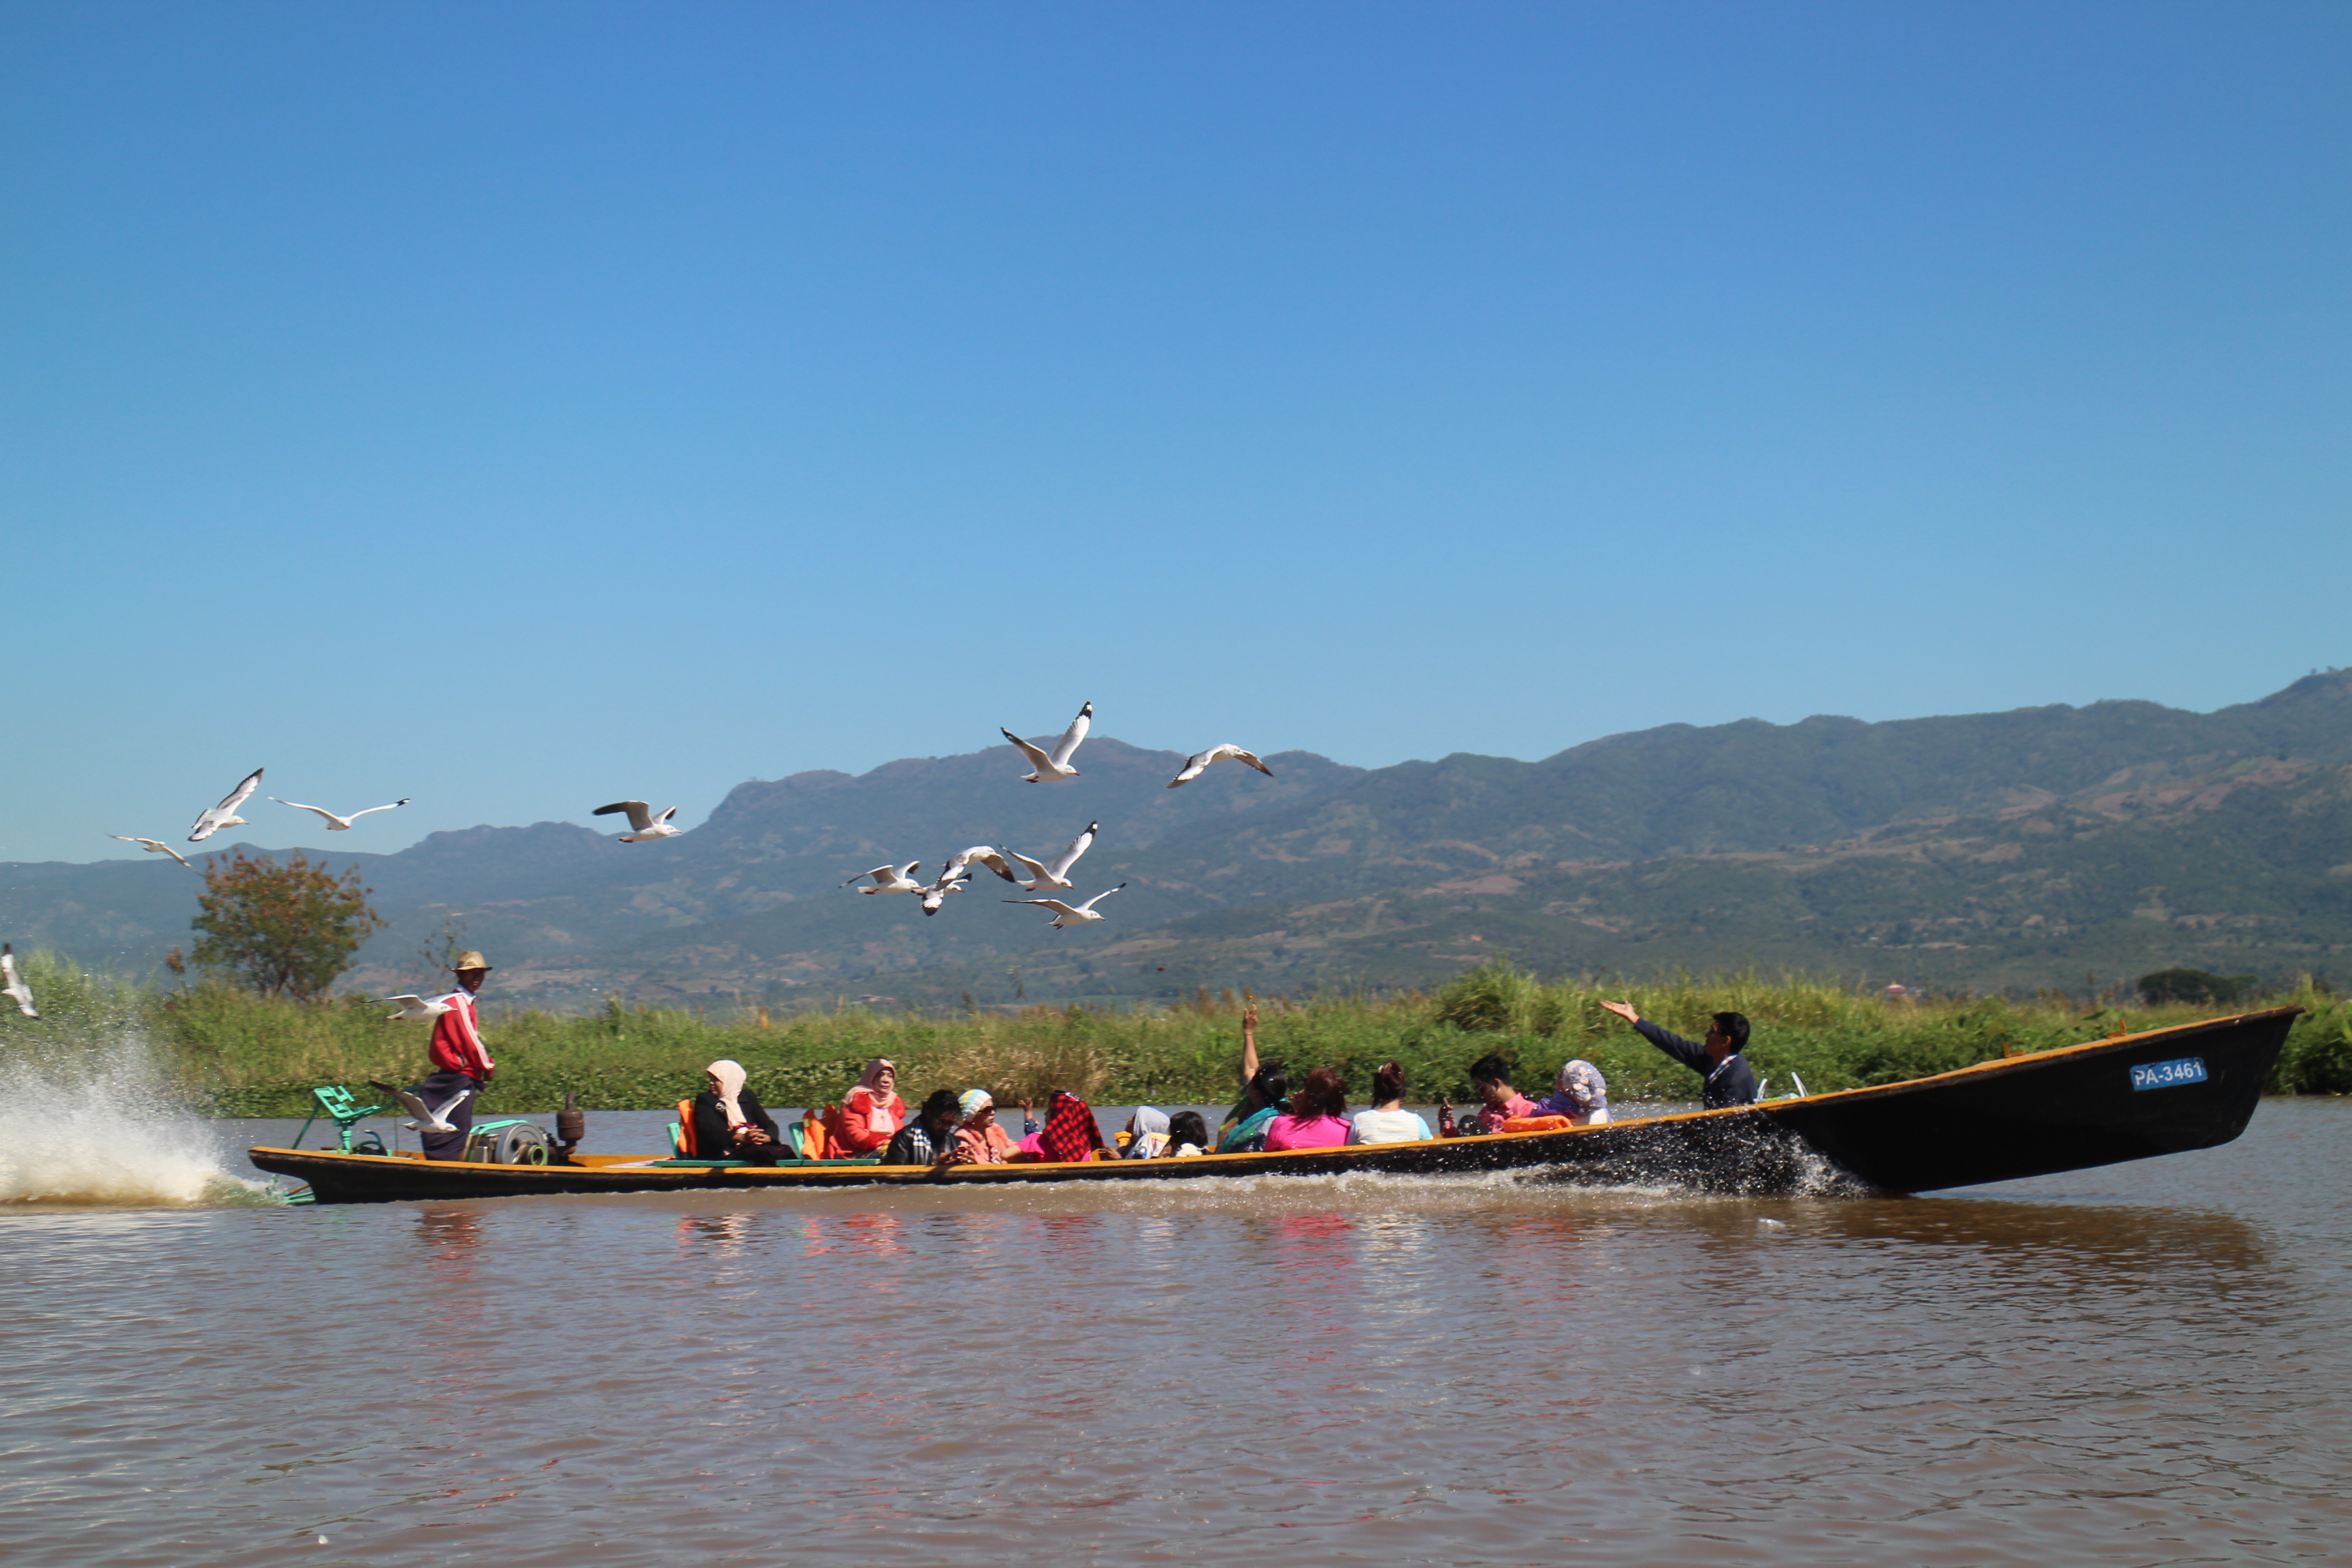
97	1123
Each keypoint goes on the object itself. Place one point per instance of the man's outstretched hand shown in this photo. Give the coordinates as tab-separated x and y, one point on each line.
1624	1010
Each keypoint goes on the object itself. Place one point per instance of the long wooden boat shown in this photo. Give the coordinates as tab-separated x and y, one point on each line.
2126	1097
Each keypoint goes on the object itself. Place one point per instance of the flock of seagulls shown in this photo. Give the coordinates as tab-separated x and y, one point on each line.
213	818
1036	876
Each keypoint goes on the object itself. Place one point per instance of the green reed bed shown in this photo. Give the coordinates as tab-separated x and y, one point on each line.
243	1054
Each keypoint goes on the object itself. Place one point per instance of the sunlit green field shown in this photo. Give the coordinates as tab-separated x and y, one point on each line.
234	1053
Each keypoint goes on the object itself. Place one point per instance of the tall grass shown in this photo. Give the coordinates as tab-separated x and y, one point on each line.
244	1055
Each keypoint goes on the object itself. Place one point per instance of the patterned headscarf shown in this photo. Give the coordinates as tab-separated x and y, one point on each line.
972	1101
1151	1133
1070	1131
1581	1081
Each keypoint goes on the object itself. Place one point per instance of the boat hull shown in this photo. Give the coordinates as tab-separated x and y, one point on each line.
2028	1116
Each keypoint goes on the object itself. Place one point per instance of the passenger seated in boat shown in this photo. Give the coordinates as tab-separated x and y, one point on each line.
728	1121
871	1112
1245	1126
979	1140
930	1138
1498	1102
1727	1078
1580	1093
1070	1131
1147	1134
1188	1134
1388	1121
1317	1117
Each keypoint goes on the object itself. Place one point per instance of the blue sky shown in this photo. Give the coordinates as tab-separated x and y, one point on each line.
520	406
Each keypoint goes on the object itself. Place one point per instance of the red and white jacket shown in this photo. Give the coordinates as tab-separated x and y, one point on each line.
457	1038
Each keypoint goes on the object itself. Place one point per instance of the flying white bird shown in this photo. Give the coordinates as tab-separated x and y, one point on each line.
416	1007
430	1118
978	855
644	825
1049	768
1046	877
213	819
891	878
1198	762
16	985
155	846
1064	914
937	893
339	824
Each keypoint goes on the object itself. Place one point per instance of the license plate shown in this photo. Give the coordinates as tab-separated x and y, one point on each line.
2166	1075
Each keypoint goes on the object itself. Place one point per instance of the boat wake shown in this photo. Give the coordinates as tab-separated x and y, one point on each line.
97	1123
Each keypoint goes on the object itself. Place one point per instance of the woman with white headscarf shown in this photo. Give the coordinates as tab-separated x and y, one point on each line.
727	1121
1580	1093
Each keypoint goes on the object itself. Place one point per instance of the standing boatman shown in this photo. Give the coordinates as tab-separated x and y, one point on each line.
1729	1079
461	1063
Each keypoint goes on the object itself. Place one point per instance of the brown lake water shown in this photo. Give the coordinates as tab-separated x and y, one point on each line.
2142	1365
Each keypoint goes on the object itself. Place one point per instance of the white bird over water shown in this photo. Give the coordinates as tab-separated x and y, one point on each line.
214	818
1056	876
644	825
413	1008
1198	762
16	986
340	823
430	1118
891	878
1068	915
1052	767
978	855
155	846
937	893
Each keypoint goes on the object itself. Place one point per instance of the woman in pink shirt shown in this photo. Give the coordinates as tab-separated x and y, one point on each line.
1317	1118
1498	1102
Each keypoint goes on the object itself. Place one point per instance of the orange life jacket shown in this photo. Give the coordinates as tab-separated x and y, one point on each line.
1536	1123
685	1128
815	1140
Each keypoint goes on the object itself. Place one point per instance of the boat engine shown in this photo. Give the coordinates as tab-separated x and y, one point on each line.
571	1127
507	1143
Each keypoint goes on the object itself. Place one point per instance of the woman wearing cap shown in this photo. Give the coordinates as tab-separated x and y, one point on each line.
462	1066
979	1140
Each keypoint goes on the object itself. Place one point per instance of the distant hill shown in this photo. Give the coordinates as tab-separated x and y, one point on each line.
2012	849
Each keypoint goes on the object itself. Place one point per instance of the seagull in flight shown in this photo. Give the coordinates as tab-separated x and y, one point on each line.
416	1007
644	825
339	824
214	818
978	855
429	1118
1067	915
1198	762
1050	768
1052	876
155	846
891	878
937	893
16	986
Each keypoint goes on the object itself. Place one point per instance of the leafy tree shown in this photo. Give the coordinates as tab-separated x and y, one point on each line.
288	929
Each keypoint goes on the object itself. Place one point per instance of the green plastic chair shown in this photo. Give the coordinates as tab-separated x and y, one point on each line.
345	1113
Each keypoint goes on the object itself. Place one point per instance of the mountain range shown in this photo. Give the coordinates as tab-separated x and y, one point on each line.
2022	850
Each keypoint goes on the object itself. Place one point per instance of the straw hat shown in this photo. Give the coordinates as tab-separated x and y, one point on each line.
469	959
